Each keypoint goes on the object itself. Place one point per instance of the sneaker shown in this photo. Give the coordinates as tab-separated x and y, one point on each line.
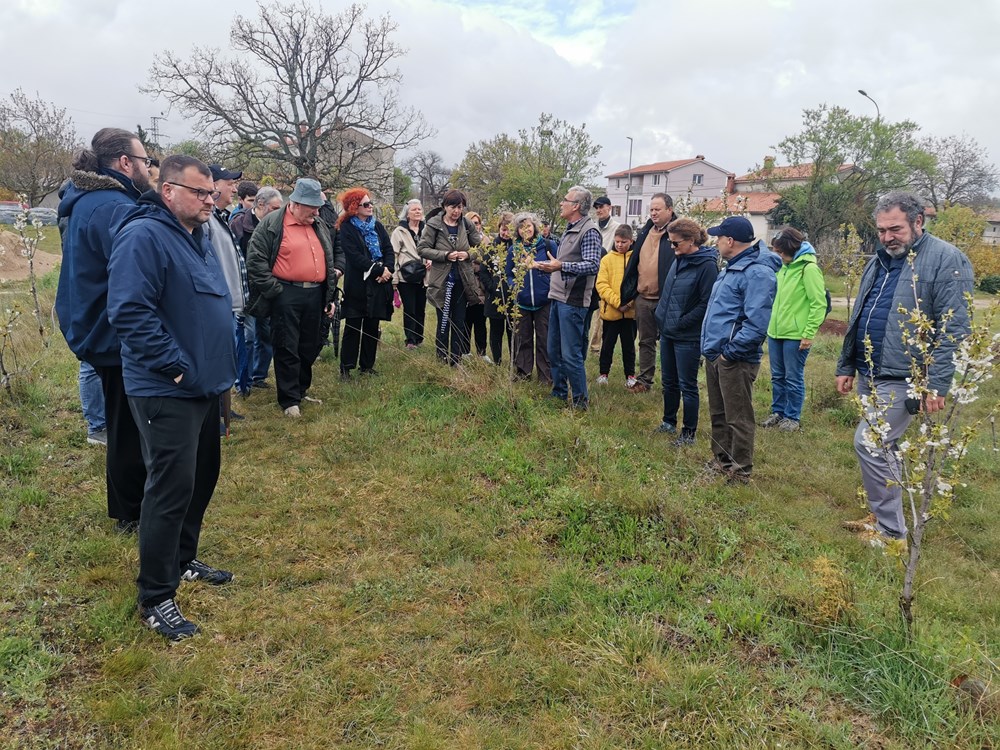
196	570
237	417
685	438
862	524
487	360
293	411
666	427
260	384
602	379
630	381
125	528
772	421
789	425
166	619
312	400
638	387
411	346
100	437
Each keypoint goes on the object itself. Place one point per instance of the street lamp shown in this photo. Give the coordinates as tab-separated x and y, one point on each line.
878	112
628	185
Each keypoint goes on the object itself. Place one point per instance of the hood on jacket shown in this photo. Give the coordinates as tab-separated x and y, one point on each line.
806	249
151	205
81	183
701	255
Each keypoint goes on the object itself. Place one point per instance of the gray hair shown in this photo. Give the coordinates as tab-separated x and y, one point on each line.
524	216
265	195
585	199
909	203
404	214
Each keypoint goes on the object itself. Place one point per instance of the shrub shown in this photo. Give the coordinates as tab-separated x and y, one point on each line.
990	284
985	260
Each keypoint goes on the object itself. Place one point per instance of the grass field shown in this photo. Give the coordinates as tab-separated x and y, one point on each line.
436	559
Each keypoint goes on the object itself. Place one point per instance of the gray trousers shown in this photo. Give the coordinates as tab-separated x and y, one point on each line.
649	335
884	499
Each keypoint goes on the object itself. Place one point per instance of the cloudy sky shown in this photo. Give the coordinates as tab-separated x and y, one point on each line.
723	78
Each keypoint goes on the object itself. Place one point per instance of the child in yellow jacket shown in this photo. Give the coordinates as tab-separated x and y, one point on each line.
619	319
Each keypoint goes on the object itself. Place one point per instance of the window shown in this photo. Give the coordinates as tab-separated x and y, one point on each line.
656	179
618	183
616	210
697	179
635	207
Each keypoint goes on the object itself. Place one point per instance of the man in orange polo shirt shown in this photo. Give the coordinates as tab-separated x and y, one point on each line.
293	264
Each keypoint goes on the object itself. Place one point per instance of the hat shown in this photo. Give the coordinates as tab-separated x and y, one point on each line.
602	201
737	227
307	192
219	172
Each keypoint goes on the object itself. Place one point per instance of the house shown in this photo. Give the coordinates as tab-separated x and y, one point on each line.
631	189
991	235
756	193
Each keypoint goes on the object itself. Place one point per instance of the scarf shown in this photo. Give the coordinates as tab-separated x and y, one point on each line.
367	229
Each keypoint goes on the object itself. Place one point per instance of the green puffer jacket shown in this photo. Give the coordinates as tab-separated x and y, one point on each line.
800	302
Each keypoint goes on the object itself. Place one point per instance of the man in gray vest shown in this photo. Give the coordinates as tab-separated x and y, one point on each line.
573	270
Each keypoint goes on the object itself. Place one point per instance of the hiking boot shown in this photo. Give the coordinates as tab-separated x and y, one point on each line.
788	425
166	619
638	387
667	428
685	438
772	421
736	477
602	379
125	528
196	570
862	524
99	437
715	466
293	411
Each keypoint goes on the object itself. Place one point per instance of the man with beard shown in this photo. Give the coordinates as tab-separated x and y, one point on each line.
169	302
111	174
881	309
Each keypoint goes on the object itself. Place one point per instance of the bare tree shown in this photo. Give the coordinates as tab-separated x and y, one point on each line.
431	175
955	169
316	92
37	141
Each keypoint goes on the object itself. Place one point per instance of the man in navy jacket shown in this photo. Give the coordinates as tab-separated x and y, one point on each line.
170	304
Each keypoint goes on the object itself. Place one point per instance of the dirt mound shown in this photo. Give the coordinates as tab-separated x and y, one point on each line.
835	327
14	266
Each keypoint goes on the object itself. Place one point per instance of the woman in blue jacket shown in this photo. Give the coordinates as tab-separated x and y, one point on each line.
532	334
679	315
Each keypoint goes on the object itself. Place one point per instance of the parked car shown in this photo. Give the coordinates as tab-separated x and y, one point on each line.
9	214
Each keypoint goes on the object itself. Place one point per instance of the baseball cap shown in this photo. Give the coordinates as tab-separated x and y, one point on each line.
737	227
219	172
602	201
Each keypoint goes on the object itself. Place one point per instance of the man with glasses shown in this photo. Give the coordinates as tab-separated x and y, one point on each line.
886	295
647	269
606	226
574	270
169	302
732	342
108	176
294	262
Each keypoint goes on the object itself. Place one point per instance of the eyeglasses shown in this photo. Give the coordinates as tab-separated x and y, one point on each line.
366	204
676	243
144	159
199	193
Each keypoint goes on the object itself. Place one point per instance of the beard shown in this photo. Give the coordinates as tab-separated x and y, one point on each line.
899	251
141	182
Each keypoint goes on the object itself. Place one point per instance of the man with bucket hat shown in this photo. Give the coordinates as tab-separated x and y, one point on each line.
293	264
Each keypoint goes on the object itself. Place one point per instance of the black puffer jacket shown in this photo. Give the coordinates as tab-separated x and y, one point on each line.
684	296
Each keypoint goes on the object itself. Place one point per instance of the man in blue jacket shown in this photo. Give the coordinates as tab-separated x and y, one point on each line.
886	294
169	302
732	338
112	173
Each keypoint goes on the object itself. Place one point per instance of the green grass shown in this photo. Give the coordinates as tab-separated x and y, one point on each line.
434	559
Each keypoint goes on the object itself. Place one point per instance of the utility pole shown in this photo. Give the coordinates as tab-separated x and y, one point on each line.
628	185
154	129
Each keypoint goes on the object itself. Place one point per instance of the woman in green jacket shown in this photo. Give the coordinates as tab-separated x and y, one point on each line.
799	309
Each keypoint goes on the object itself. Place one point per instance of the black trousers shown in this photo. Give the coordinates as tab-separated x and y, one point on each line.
414	297
499	326
451	339
475	327
296	314
615	330
126	472
361	335
180	447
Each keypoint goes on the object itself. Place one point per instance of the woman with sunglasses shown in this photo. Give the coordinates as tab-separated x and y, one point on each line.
367	280
798	311
679	315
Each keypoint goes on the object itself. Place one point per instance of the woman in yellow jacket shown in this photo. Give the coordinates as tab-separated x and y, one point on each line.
618	319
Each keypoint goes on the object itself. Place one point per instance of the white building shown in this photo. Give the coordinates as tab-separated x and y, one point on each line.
630	202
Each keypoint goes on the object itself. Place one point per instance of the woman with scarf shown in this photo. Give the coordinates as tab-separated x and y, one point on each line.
447	242
367	280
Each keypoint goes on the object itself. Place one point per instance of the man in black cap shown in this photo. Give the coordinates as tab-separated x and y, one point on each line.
606	226
732	338
294	262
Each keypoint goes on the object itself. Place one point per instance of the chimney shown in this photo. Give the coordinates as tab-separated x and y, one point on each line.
768	163
730	184
700	157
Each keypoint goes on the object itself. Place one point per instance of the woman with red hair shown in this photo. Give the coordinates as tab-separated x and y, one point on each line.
367	280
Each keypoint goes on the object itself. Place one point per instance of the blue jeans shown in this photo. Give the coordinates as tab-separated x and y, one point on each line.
679	362
567	339
91	398
261	350
788	377
242	354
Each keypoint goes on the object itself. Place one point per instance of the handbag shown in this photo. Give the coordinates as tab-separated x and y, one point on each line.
413	272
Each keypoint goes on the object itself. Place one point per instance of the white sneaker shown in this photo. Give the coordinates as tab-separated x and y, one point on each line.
312	400
293	411
602	379
630	381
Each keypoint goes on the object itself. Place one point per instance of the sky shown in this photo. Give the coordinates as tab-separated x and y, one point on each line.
724	78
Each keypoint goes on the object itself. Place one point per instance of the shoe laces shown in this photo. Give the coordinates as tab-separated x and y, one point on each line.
169	613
